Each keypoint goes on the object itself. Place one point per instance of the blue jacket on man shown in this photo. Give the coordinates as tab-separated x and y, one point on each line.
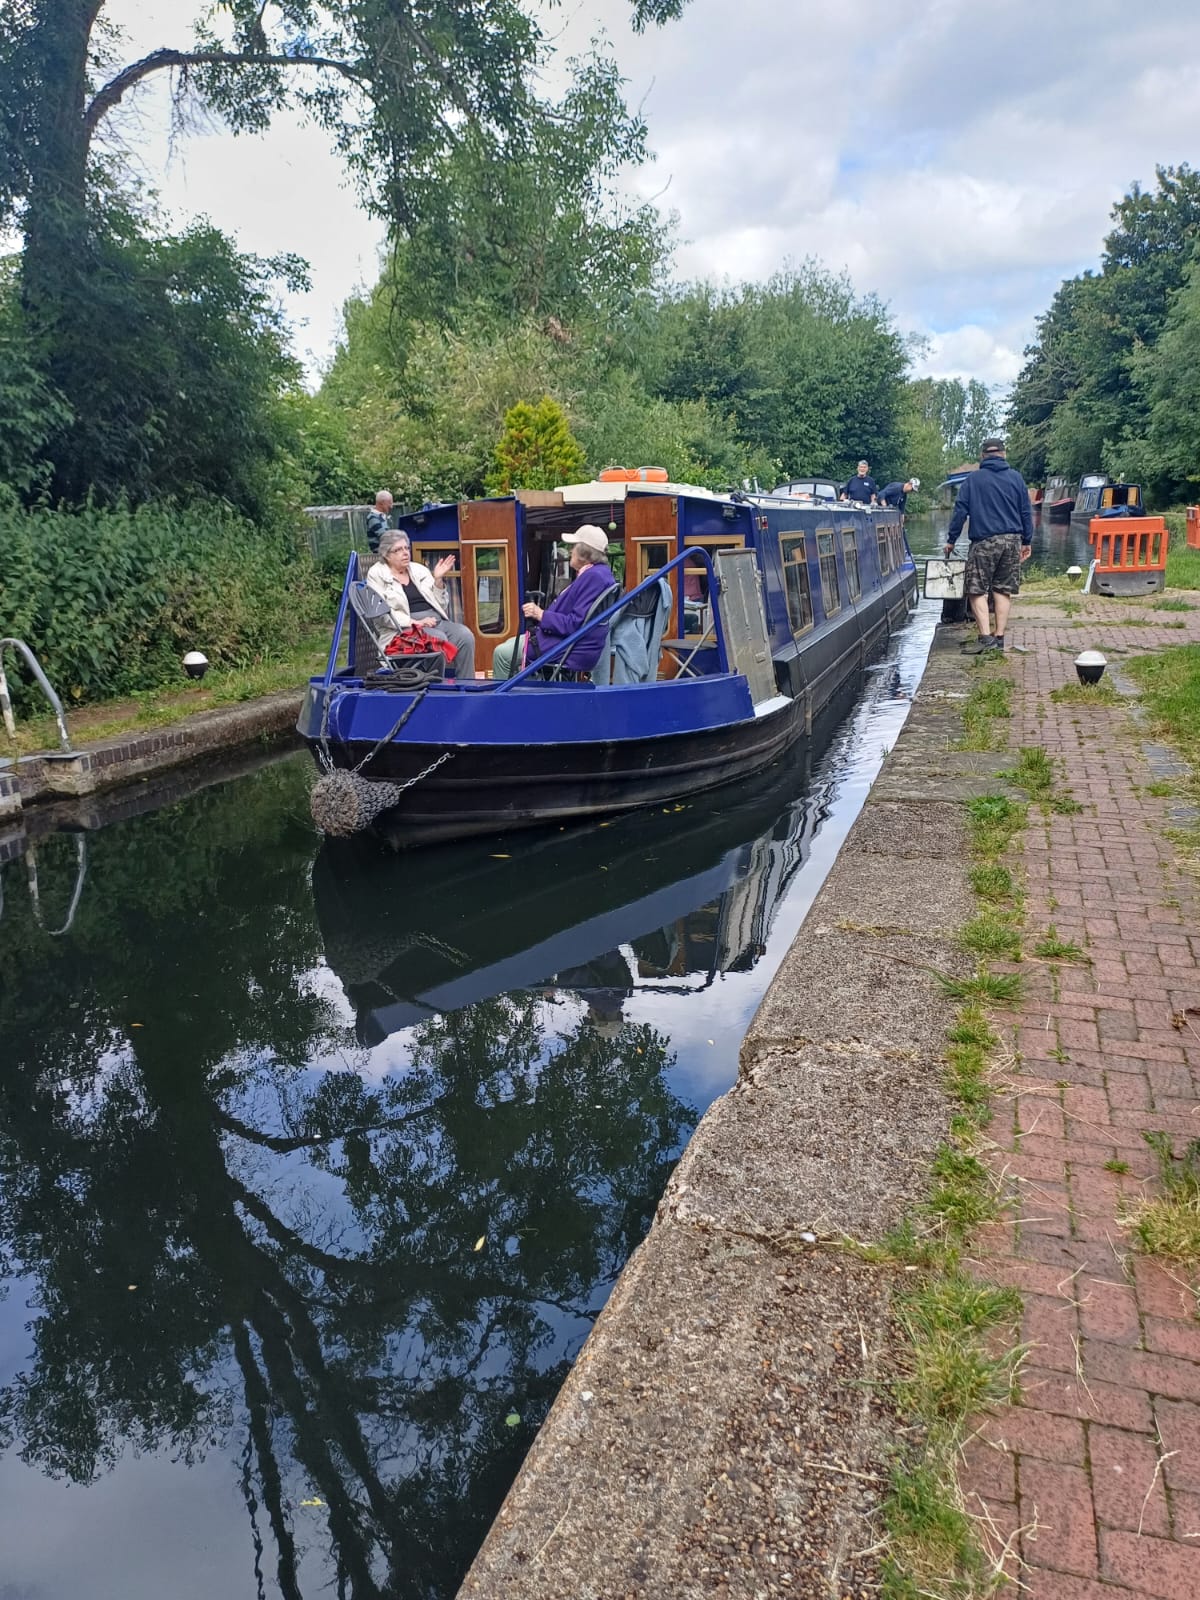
996	500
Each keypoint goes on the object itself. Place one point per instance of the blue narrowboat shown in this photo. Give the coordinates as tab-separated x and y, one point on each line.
773	601
1099	496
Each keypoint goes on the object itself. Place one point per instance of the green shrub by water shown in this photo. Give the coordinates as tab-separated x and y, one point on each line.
110	599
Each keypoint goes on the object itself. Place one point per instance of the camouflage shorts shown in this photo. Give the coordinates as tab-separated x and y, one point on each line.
994	565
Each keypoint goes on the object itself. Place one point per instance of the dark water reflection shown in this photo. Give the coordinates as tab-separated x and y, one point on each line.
316	1165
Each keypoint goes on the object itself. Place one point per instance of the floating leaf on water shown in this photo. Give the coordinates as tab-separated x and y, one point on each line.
481	1241
137	1024
712	1041
513	1419
500	856
131	1285
315	1501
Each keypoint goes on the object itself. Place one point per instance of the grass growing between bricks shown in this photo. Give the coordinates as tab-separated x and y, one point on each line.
951	1320
988	703
1087	694
1168	1224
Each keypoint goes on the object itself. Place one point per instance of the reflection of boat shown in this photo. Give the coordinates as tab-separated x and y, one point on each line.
682	895
1099	496
774	603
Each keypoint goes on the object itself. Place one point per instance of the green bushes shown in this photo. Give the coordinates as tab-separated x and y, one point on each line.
110	598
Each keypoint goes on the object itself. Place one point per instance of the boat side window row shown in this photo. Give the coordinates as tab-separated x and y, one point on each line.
891	550
796	585
850	557
831	593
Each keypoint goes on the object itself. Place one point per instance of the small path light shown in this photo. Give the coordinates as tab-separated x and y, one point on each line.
1090	666
195	664
1074	572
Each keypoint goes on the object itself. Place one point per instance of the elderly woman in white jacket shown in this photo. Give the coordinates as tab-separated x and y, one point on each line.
418	598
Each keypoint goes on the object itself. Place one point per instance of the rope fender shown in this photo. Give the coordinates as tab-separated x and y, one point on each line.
342	803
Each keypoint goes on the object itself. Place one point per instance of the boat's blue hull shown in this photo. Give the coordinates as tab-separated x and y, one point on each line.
545	752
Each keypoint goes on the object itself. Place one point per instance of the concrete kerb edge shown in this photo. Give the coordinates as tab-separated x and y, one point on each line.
787	1159
110	763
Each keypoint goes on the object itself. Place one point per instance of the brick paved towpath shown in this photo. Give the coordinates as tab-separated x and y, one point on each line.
1093	1481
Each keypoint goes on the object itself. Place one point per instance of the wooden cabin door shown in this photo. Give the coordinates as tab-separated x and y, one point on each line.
651	535
487	531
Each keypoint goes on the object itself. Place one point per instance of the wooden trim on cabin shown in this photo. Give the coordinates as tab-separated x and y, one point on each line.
483	526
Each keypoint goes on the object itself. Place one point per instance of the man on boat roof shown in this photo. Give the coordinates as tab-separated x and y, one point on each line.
896	494
862	487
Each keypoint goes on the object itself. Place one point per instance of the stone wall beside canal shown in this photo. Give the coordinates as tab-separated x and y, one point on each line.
725	1430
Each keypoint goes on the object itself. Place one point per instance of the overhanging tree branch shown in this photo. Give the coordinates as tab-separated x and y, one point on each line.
112	93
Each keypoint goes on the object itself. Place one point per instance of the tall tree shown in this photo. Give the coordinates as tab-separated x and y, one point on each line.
397	84
1075	401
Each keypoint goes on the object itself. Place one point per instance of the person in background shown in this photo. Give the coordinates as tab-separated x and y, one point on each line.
896	494
379	520
994	503
419	598
565	613
861	487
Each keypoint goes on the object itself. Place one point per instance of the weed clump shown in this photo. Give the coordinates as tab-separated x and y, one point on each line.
1053	948
1169	1224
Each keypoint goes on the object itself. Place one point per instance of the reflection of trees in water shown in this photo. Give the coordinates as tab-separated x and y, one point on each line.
308	1296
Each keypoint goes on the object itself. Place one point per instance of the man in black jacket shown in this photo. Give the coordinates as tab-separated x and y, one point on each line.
994	502
861	487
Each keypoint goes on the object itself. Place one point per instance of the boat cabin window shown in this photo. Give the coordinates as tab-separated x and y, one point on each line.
429	555
652	556
796	585
886	563
491	590
831	594
697	608
850	557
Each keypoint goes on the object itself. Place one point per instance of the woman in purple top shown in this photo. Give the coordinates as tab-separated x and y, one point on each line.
565	613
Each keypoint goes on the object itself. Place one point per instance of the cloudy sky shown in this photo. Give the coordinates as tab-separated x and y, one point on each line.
957	160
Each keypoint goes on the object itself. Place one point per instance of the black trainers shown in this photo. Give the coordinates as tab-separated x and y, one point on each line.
980	646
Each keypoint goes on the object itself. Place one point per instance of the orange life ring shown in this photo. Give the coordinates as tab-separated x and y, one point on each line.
634	475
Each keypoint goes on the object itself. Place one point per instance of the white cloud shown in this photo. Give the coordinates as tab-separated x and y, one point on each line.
958	165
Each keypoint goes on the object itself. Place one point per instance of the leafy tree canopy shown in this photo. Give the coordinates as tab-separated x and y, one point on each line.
1079	402
413	94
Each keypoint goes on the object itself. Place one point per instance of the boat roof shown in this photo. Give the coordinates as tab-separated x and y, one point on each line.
578	494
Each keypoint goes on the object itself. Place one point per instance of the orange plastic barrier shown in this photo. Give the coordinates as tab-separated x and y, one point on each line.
1193	527
1129	544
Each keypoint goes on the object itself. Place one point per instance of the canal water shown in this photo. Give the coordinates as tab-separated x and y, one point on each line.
317	1163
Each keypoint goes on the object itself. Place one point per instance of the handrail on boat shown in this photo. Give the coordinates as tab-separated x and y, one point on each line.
565	645
351	572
